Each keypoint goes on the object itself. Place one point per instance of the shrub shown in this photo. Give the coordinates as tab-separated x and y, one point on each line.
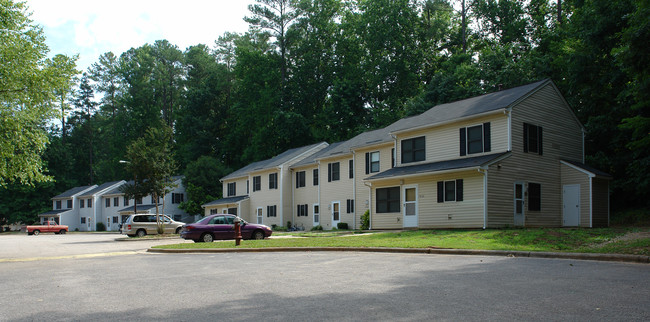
288	224
342	225
101	226
365	220
318	227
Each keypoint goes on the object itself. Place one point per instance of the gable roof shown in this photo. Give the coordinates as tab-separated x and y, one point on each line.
276	161
455	164
100	188
72	192
593	172
471	106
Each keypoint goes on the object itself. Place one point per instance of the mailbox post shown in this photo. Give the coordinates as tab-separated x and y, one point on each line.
237	231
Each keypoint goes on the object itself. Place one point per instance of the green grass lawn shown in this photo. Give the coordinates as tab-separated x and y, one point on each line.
553	240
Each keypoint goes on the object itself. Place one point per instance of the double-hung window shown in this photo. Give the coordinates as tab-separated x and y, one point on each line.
451	190
333	171
273	181
372	162
532	138
300	179
116	201
351	169
58	204
177	198
302	211
388	200
350	206
232	189
257	183
271	211
475	139
413	150
69	203
108	202
81	203
315	176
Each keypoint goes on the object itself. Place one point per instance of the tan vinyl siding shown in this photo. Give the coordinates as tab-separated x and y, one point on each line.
307	195
271	197
243	208
572	176
431	214
240	185
562	139
335	191
362	191
443	142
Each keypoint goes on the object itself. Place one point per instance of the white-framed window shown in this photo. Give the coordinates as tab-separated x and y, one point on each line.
257	183
372	162
475	139
333	171
532	139
300	179
413	150
273	181
450	190
303	210
232	189
116	201
272	211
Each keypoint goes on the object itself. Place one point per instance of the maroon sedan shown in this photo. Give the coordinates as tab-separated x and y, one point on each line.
220	227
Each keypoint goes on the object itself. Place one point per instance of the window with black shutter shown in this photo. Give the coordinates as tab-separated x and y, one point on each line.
534	196
257	183
333	171
300	179
273	181
532	138
351	169
451	190
475	139
315	176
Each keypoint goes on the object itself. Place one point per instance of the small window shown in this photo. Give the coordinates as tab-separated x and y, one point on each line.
177	198
138	201
81	203
116	202
300	179
351	169
534	196
273	181
388	200
271	211
69	203
372	162
108	202
449	191
126	201
115	219
532	139
90	203
315	176
333	171
413	150
257	183
350	206
475	139
302	211
83	220
232	189
58	204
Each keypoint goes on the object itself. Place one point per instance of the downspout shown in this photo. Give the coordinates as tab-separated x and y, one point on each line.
293	198
508	112
591	203
94	214
485	201
369	185
583	146
354	190
320	207
282	195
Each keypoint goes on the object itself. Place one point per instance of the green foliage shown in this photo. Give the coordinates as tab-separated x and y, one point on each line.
100	226
342	225
29	86
202	183
365	220
317	227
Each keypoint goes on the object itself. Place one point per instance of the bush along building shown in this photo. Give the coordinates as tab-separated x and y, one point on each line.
504	159
104	207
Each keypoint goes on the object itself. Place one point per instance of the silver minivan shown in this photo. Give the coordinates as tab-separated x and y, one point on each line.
142	225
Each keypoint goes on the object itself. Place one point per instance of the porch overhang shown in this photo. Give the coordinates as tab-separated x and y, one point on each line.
225	201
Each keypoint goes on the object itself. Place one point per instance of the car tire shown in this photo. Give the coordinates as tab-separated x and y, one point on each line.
207	238
62	231
178	231
36	232
258	235
141	233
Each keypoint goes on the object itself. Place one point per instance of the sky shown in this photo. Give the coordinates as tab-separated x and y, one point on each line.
91	27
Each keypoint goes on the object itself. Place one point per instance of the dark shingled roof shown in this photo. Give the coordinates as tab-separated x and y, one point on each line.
471	106
592	170
455	164
71	192
54	212
226	201
273	162
140	207
100	188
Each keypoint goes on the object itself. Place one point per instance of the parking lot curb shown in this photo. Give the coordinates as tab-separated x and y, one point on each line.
439	251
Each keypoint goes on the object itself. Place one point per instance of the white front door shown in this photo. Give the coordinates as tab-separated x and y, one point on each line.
336	214
259	216
108	224
316	215
519	218
410	196
571	205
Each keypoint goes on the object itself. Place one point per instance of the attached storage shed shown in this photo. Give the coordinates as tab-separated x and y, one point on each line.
585	195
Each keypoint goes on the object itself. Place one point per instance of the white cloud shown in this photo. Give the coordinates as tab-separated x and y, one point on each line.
90	28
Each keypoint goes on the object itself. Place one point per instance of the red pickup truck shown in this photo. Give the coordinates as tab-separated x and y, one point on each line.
49	227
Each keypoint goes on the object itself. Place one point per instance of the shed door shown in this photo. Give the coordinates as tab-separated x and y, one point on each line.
571	205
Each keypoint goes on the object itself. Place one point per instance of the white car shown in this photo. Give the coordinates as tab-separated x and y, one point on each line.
142	225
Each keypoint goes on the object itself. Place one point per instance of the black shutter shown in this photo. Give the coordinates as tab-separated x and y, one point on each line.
539	138
525	137
459	190
329	172
441	191
367	162
487	142
463	142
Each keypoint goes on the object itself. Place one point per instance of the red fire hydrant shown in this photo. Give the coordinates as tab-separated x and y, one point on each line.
237	231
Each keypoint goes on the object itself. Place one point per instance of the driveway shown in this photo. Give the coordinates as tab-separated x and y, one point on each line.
23	247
